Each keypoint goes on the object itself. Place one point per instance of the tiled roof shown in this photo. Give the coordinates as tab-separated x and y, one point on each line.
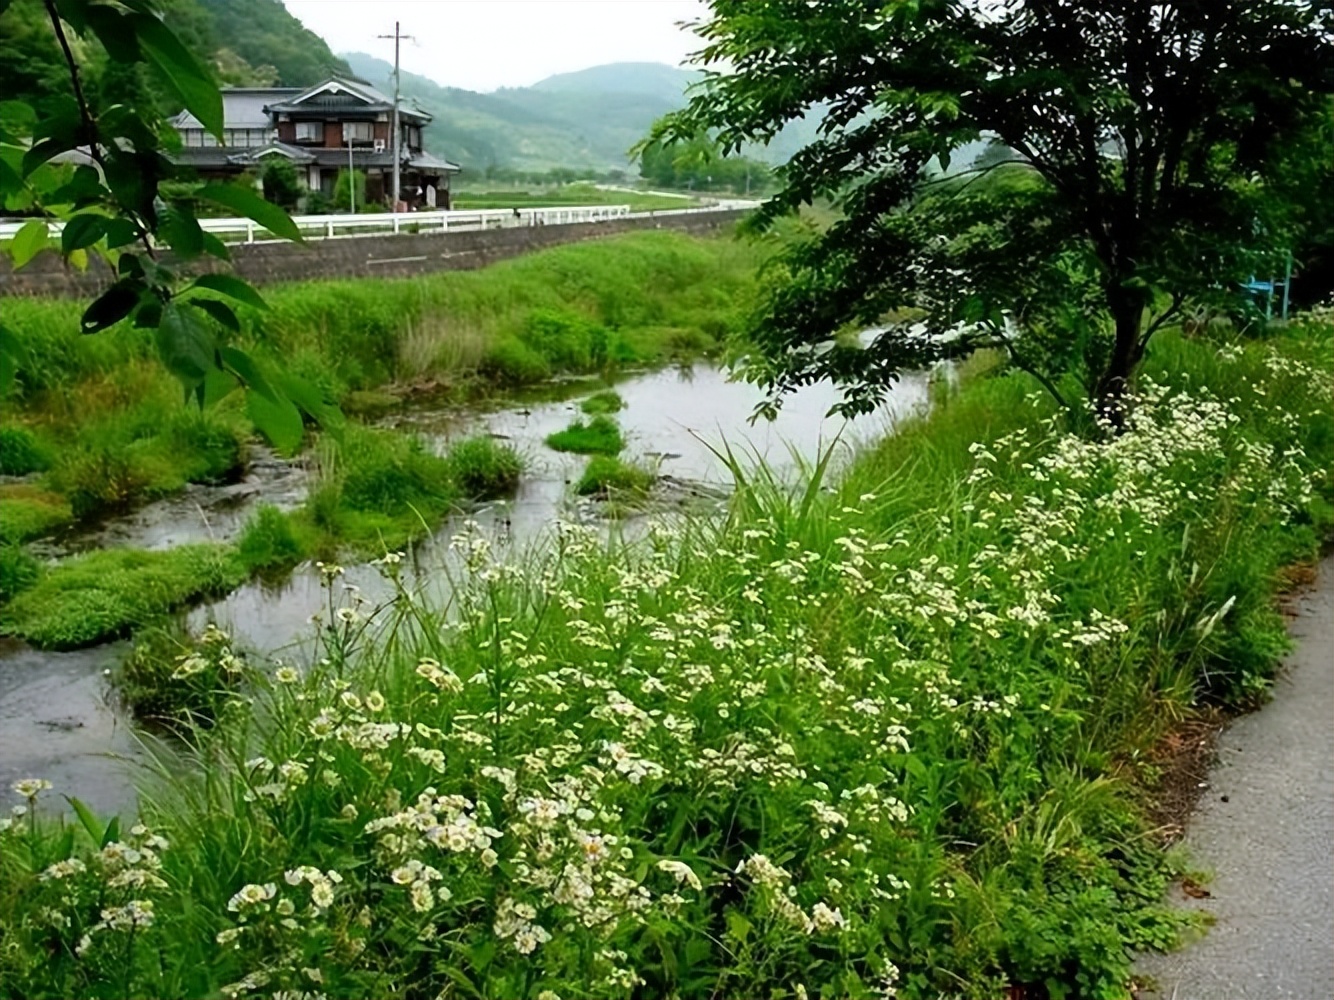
242	107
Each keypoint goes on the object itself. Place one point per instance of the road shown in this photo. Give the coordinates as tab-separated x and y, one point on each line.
1265	828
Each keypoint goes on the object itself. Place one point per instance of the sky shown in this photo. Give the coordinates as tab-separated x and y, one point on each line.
487	44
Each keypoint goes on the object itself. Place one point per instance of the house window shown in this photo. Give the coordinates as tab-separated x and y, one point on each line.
357	132
310	131
193	137
412	137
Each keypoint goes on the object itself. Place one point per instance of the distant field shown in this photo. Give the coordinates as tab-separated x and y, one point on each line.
569	194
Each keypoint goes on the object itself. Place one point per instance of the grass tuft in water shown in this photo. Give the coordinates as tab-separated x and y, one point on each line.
483	468
607	476
600	436
607	401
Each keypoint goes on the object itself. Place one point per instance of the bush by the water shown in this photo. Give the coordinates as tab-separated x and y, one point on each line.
599	436
875	740
18	570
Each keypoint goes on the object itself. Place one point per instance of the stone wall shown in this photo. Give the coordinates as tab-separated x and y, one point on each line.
365	256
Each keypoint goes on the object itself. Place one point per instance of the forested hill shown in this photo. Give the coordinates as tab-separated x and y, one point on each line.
587	119
246	42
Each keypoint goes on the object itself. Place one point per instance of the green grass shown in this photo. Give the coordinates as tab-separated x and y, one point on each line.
607	401
608	476
91	598
483	468
28	512
18	571
599	436
569	194
876	732
21	452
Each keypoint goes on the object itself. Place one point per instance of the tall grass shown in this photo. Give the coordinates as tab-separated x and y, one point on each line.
854	739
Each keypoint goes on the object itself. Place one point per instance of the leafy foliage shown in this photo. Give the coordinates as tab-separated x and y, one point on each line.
1150	131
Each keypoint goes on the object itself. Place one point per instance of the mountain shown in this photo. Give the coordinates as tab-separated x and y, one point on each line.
587	119
245	42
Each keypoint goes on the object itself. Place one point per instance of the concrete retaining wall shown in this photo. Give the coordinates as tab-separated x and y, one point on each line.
366	256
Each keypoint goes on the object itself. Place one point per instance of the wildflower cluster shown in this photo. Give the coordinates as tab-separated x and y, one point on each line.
843	744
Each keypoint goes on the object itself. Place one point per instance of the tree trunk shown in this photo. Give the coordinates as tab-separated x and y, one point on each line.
1127	310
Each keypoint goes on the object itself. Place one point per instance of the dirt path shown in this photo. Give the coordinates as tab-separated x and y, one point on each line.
1265	828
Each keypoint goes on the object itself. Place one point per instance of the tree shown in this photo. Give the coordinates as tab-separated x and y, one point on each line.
281	184
129	201
1150	131
348	187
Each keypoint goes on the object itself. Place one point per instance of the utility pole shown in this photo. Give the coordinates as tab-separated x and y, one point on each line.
398	130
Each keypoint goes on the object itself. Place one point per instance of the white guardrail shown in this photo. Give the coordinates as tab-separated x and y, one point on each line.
344	226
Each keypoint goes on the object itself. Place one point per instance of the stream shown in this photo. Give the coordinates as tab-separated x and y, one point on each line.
59	719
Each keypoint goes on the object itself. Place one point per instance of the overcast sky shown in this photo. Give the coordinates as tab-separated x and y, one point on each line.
485	44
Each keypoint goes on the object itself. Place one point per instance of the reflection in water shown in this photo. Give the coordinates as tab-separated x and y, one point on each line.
55	717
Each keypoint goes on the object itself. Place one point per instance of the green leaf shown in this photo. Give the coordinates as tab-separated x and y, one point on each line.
249	373
116	33
28	242
179	228
82	231
120	233
111	306
307	396
10	349
245	202
112	831
219	384
220	311
214	247
89	822
277	419
180	69
230	285
186	346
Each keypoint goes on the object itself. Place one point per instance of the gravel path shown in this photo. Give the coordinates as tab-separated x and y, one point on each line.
1265	828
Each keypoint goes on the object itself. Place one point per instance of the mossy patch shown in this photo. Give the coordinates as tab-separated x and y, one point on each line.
607	401
96	597
28	512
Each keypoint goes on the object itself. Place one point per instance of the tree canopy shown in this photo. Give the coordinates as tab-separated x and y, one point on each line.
1149	138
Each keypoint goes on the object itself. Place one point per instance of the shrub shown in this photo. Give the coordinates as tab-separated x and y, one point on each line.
483	468
607	401
21	452
600	436
607	475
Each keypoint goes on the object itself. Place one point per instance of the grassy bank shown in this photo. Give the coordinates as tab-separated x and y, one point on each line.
494	196
872	741
106	422
100	426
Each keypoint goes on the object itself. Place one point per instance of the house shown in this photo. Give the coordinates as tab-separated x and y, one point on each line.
320	129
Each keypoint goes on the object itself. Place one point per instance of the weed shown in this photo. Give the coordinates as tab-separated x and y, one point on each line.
600	436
